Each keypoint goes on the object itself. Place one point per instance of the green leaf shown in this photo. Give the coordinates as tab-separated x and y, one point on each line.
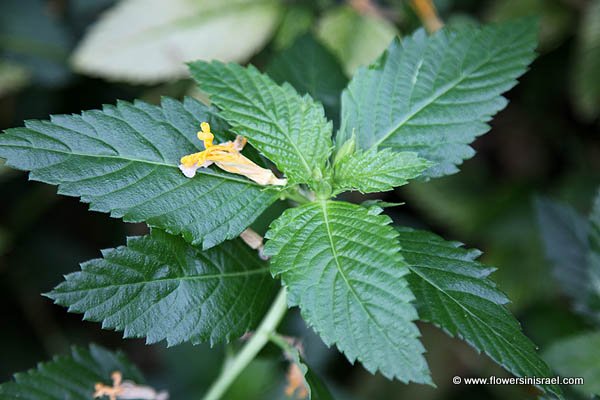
289	129
453	292
342	266
565	237
435	94
310	68
578	356
593	301
70	376
162	288
585	77
316	388
376	171
146	41
356	39
124	160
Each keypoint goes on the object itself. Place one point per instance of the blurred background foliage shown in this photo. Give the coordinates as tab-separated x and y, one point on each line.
62	56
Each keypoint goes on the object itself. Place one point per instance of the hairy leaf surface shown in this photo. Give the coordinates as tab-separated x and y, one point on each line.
435	94
291	130
162	288
146	41
342	266
124	159
69	376
377	171
453	292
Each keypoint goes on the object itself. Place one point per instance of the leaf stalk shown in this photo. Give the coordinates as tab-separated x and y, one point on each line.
251	349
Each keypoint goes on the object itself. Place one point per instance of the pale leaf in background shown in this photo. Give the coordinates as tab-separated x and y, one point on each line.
146	41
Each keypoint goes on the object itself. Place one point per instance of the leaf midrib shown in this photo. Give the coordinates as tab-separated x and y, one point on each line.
442	91
323	205
205	277
135	160
364	173
502	338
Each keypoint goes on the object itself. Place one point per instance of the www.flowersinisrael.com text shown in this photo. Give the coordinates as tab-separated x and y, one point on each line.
524	380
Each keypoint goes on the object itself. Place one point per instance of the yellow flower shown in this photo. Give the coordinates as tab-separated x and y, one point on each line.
127	390
226	156
296	385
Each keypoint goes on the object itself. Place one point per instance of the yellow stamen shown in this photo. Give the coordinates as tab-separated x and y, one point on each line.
226	156
206	135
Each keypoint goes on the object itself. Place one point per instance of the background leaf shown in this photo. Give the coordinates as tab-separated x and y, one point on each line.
124	159
291	130
435	94
70	376
32	36
556	18
578	356
310	68
454	293
585	77
565	237
342	267
356	39
296	21
593	259
146	41
161	287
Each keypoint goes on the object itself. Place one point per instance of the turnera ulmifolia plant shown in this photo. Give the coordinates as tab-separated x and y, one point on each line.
360	281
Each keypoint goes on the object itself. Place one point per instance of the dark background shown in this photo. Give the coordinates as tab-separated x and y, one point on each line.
540	144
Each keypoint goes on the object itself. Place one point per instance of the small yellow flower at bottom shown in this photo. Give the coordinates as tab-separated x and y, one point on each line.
226	156
296	386
127	390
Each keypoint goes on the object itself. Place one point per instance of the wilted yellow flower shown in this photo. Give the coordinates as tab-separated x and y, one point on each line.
226	156
127	390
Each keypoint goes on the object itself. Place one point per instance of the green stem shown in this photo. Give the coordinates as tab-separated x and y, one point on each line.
297	195
280	342
251	349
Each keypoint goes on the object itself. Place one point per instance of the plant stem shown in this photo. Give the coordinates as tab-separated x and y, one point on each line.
298	195
251	349
280	342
